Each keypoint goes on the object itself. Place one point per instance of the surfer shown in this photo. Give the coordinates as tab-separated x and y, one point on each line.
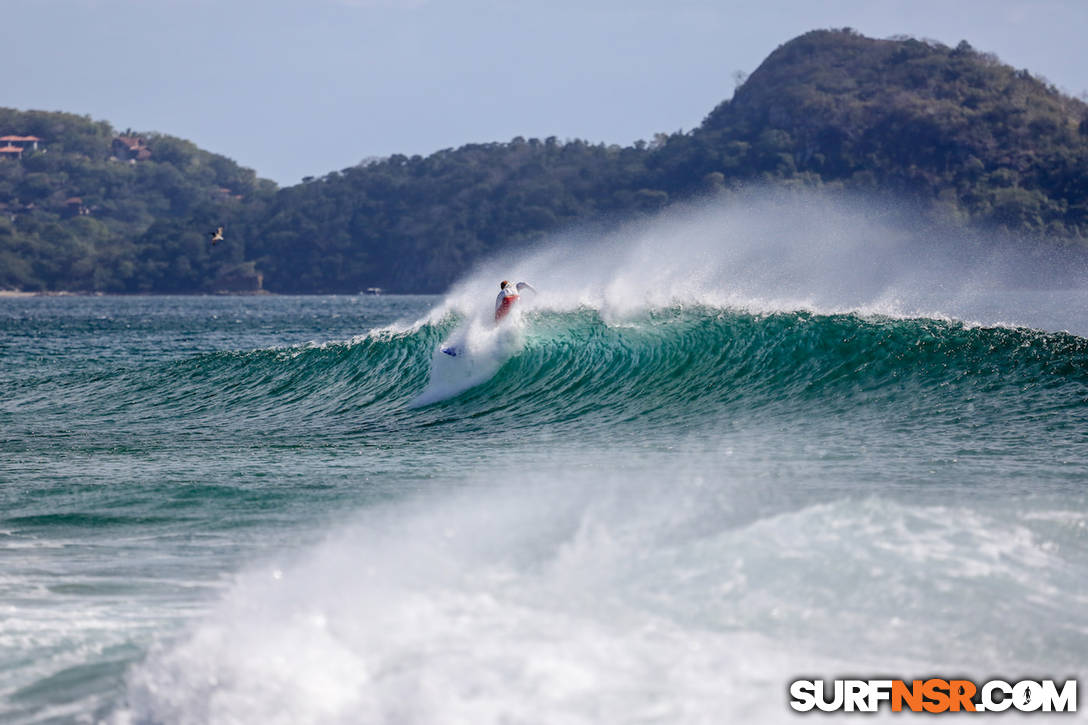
505	301
508	295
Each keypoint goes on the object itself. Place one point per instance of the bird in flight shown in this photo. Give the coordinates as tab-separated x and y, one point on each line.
217	236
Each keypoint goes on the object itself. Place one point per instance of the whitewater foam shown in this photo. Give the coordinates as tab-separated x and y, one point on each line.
588	600
479	348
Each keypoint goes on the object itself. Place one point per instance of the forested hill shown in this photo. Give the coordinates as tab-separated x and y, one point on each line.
951	128
967	138
949	125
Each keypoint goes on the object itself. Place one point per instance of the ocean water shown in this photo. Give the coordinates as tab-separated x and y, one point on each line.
717	452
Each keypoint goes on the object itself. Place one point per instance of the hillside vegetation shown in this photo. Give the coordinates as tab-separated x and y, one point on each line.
965	138
84	212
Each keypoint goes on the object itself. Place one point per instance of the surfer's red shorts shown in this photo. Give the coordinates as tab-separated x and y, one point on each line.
504	307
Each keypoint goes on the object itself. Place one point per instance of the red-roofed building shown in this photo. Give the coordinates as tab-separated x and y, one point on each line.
21	141
11	152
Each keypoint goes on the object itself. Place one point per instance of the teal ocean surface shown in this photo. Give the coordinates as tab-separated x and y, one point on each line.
647	497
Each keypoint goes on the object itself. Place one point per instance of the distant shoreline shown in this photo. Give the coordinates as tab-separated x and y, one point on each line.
18	294
69	293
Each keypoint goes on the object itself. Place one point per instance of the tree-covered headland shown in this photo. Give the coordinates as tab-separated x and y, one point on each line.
950	129
97	210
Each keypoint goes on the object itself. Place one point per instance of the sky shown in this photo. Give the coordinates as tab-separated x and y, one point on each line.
293	88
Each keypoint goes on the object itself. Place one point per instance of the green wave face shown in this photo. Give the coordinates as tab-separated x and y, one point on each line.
672	369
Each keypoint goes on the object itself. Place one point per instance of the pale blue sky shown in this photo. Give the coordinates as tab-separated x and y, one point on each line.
300	87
